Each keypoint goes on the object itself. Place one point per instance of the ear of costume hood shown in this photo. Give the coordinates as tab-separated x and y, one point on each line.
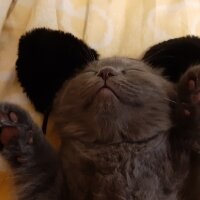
46	58
175	56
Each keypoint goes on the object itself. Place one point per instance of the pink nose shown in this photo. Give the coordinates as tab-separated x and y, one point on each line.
107	72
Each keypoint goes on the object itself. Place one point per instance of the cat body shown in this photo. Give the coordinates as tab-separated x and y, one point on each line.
121	137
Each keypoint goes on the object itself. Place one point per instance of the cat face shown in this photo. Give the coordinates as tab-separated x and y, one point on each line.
114	99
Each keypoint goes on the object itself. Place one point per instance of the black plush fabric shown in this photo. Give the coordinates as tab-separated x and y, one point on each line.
46	58
174	55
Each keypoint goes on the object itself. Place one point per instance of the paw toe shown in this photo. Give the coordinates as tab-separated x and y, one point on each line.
13	117
191	85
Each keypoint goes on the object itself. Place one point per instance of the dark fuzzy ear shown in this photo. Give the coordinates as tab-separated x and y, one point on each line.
175	55
46	58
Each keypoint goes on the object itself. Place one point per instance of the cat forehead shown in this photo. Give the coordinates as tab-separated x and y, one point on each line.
119	63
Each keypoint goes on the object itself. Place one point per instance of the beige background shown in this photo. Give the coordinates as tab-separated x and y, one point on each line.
113	27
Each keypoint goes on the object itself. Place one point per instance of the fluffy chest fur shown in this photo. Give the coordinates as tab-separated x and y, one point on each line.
121	171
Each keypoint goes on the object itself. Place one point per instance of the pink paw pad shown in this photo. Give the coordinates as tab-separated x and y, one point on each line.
195	91
8	131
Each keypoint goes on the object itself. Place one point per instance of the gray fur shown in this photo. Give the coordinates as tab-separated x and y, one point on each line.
120	145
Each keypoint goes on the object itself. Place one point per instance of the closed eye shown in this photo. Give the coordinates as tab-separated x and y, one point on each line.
128	70
89	71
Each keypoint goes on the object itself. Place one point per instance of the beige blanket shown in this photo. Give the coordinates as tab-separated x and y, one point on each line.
113	27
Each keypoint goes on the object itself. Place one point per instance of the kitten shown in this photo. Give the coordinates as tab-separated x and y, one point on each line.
122	137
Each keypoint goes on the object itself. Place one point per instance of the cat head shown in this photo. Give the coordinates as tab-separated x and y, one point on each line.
114	99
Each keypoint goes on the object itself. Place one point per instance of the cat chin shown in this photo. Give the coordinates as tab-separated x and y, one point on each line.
105	102
105	98
105	93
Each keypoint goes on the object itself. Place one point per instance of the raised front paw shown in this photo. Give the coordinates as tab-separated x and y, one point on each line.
189	92
18	134
188	115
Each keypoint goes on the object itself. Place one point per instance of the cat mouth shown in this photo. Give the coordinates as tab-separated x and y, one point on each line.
103	93
106	91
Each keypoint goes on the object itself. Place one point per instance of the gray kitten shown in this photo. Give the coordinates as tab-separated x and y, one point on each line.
122	137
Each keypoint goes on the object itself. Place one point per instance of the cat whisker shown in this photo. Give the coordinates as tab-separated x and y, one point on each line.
170	100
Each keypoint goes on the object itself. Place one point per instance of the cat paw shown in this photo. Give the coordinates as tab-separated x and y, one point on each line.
189	91
17	133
